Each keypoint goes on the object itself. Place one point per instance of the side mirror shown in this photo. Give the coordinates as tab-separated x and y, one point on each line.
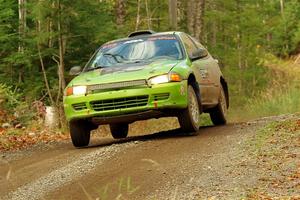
75	71
199	53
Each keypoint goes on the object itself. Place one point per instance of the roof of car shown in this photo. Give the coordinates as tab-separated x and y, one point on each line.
144	35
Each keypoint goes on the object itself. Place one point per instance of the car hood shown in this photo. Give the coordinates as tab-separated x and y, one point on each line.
125	72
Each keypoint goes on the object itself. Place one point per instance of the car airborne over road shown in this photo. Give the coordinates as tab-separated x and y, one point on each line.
147	75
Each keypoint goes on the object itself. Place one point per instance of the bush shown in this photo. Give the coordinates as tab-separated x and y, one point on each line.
12	109
8	98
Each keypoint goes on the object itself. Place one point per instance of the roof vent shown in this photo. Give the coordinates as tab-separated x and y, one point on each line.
138	33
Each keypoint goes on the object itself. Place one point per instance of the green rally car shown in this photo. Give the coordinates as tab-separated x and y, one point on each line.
147	75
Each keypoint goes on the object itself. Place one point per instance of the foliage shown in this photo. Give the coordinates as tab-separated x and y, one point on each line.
13	109
283	101
280	95
8	99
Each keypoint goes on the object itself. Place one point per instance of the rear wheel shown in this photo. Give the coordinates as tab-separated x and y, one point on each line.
219	113
190	116
80	132
119	131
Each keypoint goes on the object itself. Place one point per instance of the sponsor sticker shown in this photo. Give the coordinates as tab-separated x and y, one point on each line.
162	38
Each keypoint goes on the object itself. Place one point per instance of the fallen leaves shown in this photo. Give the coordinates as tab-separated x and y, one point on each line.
2	131
278	161
15	139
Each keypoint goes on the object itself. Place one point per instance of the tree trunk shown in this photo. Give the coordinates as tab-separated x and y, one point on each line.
199	22
22	34
159	14
50	31
282	8
195	18
286	45
190	16
148	14
61	68
120	12
42	65
22	23
138	17
173	14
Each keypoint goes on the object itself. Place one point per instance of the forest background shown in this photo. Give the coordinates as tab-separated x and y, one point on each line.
257	43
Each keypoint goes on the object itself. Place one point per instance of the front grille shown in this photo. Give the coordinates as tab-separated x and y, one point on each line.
79	106
160	97
120	103
124	84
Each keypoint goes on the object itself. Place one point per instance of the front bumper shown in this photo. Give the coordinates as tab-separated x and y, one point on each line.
167	96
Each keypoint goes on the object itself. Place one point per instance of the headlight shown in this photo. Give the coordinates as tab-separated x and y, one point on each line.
166	78
79	90
159	79
76	90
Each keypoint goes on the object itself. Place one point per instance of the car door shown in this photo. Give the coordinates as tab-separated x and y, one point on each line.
204	71
214	74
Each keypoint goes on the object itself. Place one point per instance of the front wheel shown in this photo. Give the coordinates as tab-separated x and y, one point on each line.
219	113
80	132
189	117
119	131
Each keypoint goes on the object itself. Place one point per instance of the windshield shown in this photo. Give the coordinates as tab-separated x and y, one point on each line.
136	51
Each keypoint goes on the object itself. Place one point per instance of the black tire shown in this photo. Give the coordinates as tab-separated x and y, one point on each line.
218	114
189	117
119	131
80	132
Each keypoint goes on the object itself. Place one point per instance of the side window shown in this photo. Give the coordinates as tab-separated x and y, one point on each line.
198	44
188	43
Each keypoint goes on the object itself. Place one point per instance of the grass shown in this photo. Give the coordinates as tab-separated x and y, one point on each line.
280	101
263	135
121	189
281	96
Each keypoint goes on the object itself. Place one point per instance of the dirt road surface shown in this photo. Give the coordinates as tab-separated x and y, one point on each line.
214	164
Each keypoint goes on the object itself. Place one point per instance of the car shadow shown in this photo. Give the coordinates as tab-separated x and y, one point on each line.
175	133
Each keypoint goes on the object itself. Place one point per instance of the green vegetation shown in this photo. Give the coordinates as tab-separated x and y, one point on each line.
13	107
281	95
42	40
276	102
122	188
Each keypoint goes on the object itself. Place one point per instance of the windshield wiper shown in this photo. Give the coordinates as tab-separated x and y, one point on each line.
114	56
135	61
96	67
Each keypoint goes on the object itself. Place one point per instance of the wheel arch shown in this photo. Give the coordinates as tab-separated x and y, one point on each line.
193	82
225	87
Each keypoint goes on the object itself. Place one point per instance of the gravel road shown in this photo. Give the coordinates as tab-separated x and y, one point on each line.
214	164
